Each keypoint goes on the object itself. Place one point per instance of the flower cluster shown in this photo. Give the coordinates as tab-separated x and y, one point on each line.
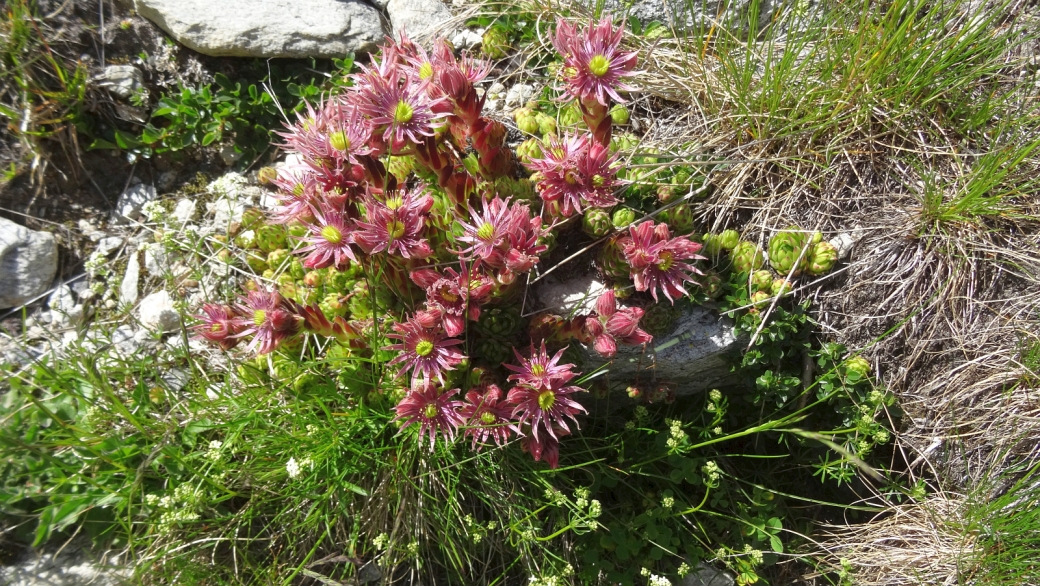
403	227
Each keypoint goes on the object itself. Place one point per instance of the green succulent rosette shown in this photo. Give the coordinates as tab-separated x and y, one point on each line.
270	237
493	350
529	150
661	318
789	251
747	257
256	262
252	218
729	239
400	166
596	222
517	189
712	285
822	258
781	287
495	42
679	218
761	280
332	305
278	259
619	115
501	322
623	217
760	299
526	120
546	124
611	260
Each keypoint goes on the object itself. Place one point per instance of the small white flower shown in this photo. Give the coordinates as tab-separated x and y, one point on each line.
683	569
595	509
668	502
656	580
292	467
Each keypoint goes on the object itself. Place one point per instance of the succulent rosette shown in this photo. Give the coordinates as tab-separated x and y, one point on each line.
789	251
822	258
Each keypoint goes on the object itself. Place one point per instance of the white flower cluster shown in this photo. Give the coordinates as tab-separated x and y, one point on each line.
656	580
380	541
555	579
676	434
179	506
683	569
213	453
753	554
711	472
154	211
667	502
294	468
96	264
555	497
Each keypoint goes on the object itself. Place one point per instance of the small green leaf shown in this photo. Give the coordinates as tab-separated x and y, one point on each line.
222	80
210	137
776	544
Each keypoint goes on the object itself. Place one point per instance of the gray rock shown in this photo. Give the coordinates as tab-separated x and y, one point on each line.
466	39
109	244
519	94
268	28
184	211
157	312
121	81
128	288
732	15
416	16
128	208
90	230
124	341
175	379
28	263
706	575
694	357
68	567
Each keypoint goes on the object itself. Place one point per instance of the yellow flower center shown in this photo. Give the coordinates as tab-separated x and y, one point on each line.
426	70
666	261
298	189
487	418
598	180
403	112
429	411
537	369
449	296
395	229
424	348
259	317
599	65
216	328
571	177
474	283
546	400
486	231
332	234
569	71
339	140
394	202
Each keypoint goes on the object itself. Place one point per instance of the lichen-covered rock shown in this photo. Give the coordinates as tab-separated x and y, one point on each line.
414	17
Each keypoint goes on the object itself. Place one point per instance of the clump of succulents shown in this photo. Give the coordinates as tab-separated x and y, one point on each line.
746	257
402	233
790	250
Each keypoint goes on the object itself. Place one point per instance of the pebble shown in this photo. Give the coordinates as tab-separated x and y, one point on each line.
157	312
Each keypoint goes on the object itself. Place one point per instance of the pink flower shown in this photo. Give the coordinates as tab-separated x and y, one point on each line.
396	224
488	416
608	325
576	171
329	240
298	193
545	408
525	234
457	295
593	63
433	410
541	371
329	137
218	325
489	231
426	351
403	112
656	259
269	317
